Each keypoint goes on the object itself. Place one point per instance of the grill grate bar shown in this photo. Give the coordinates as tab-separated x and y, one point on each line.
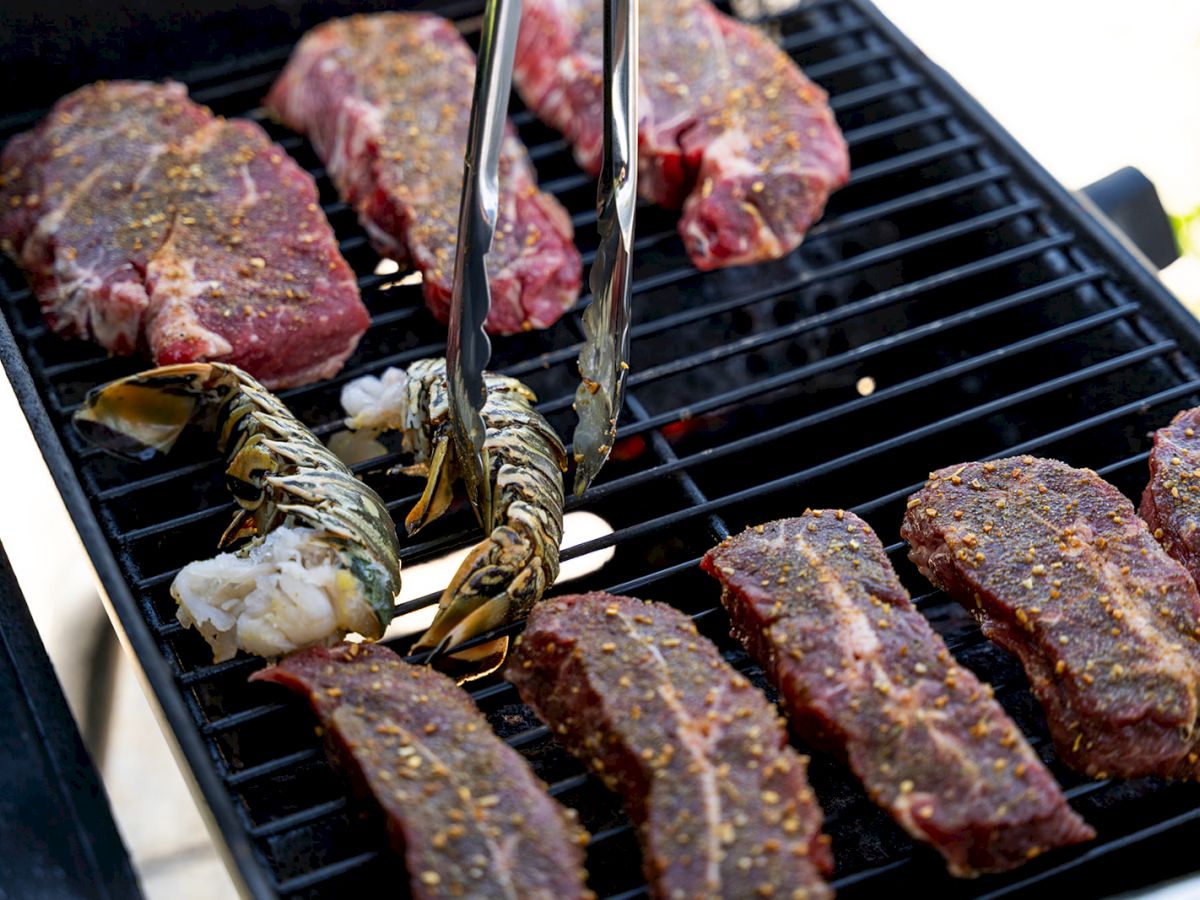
199	674
233	720
822	70
849	100
914	158
262	770
933	113
1096	852
324	873
303	817
860	403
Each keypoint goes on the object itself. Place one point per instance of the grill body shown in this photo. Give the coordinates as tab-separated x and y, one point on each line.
955	303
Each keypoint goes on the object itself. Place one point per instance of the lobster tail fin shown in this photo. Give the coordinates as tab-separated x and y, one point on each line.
143	415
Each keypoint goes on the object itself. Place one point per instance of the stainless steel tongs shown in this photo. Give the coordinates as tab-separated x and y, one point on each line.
603	359
467	346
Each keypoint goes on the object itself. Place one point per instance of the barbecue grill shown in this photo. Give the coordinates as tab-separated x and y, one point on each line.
954	303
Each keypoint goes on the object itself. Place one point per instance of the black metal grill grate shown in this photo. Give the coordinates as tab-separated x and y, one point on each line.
951	305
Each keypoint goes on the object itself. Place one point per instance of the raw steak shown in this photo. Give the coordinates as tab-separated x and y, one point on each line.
1172	498
816	601
729	127
699	756
386	101
470	818
1059	570
144	220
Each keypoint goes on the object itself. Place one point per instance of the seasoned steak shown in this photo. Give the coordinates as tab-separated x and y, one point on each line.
699	756
1171	501
729	127
386	101
470	818
142	220
816	601
1059	570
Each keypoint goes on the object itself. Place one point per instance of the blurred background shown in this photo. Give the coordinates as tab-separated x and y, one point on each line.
1086	87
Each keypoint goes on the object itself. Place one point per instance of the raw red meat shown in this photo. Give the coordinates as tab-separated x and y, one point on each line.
144	220
699	756
729	127
817	602
386	101
1171	501
1059	570
470	818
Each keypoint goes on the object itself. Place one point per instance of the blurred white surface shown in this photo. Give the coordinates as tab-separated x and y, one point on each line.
1087	87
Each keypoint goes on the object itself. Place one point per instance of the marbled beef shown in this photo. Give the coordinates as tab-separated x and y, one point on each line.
1171	501
386	101
729	127
817	602
699	756
1059	570
462	806
143	220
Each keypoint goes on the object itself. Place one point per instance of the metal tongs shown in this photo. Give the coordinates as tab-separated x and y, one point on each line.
603	359
468	348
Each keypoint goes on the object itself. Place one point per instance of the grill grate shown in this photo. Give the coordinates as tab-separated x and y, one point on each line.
989	316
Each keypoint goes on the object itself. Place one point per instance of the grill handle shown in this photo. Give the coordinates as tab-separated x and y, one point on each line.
1130	203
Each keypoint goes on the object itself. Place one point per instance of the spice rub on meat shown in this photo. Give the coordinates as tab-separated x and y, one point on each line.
470	818
386	101
861	673
1171	501
1059	570
144	221
729	128
699	756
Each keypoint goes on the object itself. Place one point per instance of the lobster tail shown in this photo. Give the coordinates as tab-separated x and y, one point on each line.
316	550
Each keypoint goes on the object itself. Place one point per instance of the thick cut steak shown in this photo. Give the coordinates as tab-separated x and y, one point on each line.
470	818
729	127
1171	501
816	601
1059	570
386	101
699	756
143	220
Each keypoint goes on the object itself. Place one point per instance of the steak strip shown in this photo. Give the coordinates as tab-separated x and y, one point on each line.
729	128
386	101
699	756
862	674
1171	501
144	221
1059	570
470	818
